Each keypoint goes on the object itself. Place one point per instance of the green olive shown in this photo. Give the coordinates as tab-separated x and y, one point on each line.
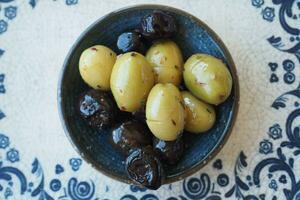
207	78
166	59
131	81
165	111
95	66
200	116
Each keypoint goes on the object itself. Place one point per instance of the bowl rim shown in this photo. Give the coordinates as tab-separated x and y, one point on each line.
233	114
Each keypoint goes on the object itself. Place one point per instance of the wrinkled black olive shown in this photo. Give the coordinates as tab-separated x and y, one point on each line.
169	151
131	41
97	108
144	168
130	135
158	25
123	116
140	115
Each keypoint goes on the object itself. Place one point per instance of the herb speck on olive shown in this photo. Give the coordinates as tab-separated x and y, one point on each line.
123	108
199	83
94	49
221	97
173	122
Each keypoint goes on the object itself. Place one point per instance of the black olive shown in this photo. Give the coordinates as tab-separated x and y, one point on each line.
97	108
131	41
169	151
158	25
130	135
140	115
144	168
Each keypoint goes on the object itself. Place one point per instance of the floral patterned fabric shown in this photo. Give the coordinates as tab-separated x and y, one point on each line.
259	162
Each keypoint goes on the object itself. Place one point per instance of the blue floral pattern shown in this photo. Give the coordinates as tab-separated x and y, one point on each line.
75	163
1	52
10	12
4	141
32	3
59	169
2	88
2	115
282	179
72	189
218	164
288	65
288	77
135	188
265	147
275	132
268	14
273	185
55	185
13	155
3	26
257	3
71	2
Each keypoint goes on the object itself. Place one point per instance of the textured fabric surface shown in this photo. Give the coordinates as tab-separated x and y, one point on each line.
260	159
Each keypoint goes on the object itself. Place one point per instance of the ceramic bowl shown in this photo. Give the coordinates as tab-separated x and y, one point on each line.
193	36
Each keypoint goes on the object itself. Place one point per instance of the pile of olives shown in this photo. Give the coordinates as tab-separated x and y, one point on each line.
146	87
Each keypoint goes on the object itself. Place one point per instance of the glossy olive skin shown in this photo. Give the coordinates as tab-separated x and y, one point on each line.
130	41
95	66
97	108
169	152
166	59
130	135
131	81
157	25
165	112
200	116
144	168
207	78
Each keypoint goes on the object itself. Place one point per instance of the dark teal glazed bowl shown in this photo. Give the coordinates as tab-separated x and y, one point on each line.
193	37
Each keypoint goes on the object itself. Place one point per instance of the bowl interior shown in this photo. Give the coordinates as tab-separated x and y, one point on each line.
193	37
